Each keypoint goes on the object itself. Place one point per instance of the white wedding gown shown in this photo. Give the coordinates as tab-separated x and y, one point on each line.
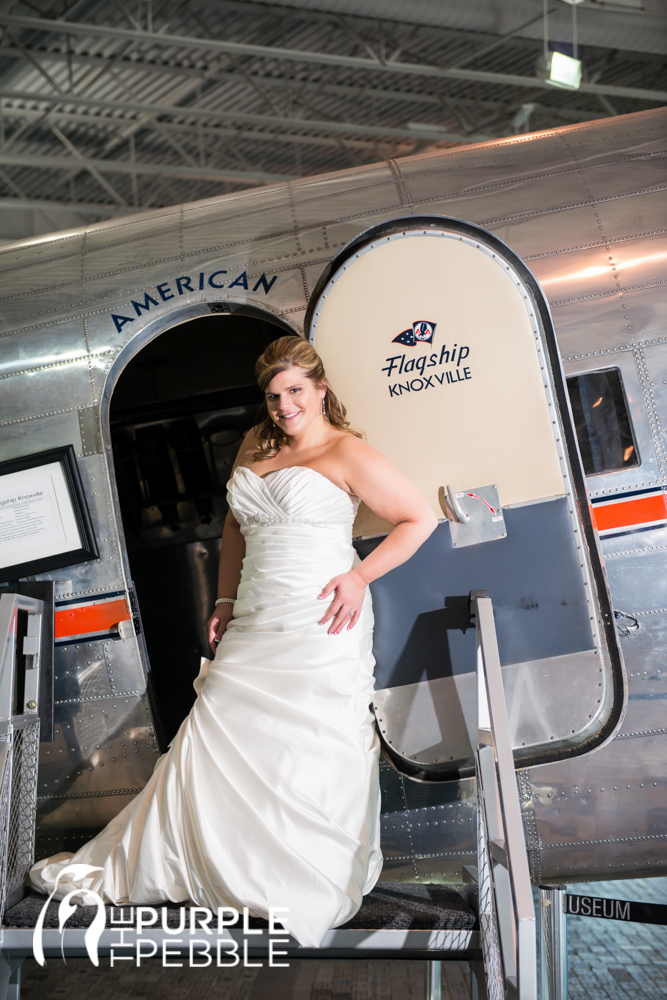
268	795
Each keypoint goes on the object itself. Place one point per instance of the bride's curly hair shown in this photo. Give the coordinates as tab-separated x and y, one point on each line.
282	354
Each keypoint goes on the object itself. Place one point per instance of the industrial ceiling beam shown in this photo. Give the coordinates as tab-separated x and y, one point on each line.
333	89
349	128
317	58
9	112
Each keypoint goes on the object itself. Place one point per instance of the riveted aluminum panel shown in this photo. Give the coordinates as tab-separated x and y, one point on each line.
618	546
629	576
45	390
27	435
614	800
328	200
147	226
584	332
655	360
462	170
619	178
81	673
642	213
551	190
434	722
239	226
30	349
41	252
428	830
643	652
98	744
534	232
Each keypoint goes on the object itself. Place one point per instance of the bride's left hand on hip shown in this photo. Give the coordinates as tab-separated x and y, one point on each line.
350	591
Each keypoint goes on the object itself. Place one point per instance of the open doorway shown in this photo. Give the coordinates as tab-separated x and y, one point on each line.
178	413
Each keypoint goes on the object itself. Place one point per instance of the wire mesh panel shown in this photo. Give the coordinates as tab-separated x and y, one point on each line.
21	826
5	789
488	924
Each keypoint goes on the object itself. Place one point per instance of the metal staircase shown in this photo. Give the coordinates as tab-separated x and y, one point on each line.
506	935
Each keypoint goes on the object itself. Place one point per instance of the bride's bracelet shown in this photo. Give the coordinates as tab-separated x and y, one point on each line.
225	600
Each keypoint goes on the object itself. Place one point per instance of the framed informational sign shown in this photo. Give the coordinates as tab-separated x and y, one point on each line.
44	518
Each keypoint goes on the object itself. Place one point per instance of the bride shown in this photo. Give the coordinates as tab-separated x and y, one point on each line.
269	794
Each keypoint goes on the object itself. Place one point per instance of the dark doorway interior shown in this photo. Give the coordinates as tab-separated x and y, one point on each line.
178	414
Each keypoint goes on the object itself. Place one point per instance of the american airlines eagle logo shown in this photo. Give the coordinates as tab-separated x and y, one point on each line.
421	332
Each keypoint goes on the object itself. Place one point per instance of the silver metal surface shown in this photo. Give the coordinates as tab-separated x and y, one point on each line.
501	832
430	723
433	980
553	943
545	196
484	520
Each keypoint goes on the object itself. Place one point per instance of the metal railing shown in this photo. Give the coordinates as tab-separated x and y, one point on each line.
20	648
553	943
506	909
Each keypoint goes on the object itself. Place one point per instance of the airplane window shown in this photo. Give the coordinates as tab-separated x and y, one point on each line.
602	422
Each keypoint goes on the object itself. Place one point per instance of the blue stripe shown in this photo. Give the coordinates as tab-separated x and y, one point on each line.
632	531
90	637
90	598
624	496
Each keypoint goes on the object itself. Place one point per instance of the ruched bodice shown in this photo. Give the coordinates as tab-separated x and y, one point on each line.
296	494
269	793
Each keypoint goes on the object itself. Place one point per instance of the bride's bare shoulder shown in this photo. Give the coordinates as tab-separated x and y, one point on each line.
351	450
248	447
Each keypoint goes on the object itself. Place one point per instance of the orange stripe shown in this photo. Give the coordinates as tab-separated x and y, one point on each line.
639	511
91	618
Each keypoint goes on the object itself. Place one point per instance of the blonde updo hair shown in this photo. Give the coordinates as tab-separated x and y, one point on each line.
282	354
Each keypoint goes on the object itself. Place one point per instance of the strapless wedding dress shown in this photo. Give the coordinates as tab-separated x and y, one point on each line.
268	795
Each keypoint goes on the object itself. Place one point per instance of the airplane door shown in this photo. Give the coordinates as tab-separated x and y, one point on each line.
439	342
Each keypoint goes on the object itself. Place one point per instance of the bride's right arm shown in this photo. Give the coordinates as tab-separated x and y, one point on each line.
232	552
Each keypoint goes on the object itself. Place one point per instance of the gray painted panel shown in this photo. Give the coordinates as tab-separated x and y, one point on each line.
533	577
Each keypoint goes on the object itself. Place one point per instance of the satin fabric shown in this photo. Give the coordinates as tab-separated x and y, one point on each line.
268	795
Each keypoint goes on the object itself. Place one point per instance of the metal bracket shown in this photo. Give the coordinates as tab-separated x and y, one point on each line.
474	515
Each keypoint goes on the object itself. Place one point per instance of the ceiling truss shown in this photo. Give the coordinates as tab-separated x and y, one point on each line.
107	108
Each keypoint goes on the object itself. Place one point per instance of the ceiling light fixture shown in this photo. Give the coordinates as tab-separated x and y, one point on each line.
558	68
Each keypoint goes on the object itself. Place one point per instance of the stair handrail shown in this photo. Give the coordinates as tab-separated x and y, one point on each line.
507	910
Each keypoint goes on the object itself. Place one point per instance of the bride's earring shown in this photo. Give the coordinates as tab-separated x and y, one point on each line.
324	407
